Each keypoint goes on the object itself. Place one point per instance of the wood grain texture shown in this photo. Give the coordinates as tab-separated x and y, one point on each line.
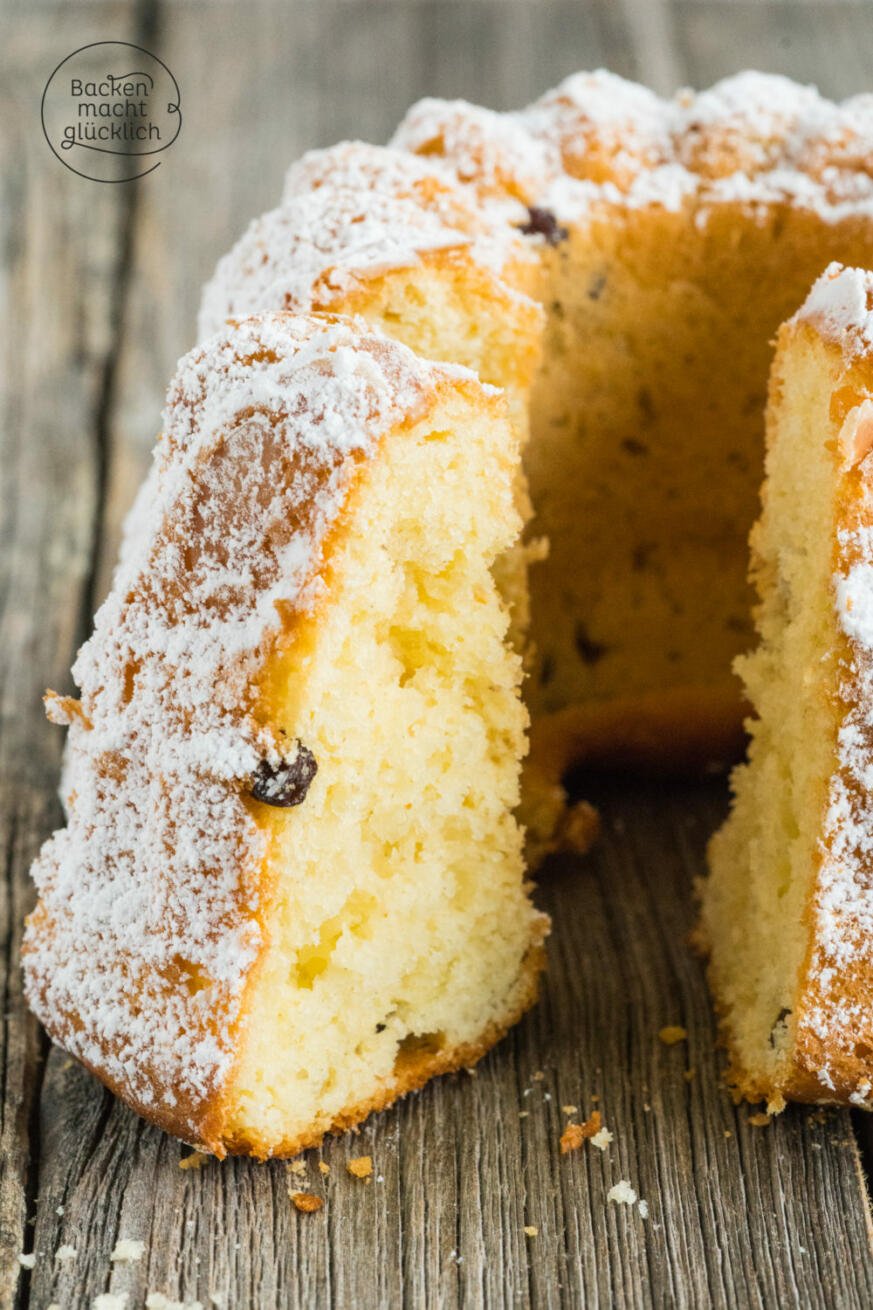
60	250
101	287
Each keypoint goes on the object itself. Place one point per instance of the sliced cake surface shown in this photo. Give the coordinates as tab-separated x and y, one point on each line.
291	884
788	907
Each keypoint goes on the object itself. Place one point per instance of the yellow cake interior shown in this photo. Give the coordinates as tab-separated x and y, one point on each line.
400	923
765	859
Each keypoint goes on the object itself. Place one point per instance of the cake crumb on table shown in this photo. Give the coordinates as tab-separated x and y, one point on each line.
759	1120
27	1261
323	1168
297	1167
110	1301
622	1193
569	1109
361	1166
158	1301
531	1230
575	1134
579	829
196	1160
127	1250
672	1033
602	1139
571	1138
65	1253
643	1207
306	1202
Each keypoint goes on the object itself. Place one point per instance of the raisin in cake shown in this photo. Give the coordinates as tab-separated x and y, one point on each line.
291	886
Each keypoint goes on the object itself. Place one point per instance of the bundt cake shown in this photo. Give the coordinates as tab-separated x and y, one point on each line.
291	886
619	263
788	908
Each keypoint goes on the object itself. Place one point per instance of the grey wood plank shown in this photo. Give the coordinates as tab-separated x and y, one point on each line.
826	42
60	242
25	815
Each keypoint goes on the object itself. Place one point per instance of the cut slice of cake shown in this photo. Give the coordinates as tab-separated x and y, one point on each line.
291	886
788	906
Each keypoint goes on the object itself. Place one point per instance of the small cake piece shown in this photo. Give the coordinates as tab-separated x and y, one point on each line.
291	886
788	908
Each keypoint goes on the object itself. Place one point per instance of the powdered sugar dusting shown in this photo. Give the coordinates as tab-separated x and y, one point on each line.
382	209
460	177
138	954
840	305
753	139
837	1011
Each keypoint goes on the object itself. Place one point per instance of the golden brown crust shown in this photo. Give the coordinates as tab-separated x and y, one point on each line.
797	1081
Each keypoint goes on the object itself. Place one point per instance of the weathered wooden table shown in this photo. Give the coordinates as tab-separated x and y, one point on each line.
100	287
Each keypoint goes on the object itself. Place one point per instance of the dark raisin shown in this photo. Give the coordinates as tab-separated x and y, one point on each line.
646	404
287	783
591	651
642	554
596	287
380	1027
542	222
547	670
634	447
